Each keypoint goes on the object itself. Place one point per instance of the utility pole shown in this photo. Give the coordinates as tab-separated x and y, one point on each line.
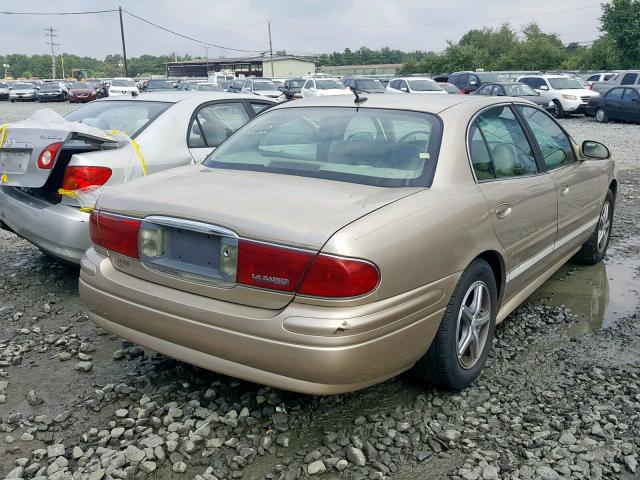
62	62
51	34
270	49
124	48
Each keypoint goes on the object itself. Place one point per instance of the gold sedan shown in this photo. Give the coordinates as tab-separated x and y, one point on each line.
333	243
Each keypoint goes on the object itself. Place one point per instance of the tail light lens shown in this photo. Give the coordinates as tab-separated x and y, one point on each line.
79	178
336	277
115	233
48	156
304	272
271	266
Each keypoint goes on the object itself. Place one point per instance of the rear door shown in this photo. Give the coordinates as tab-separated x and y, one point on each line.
631	105
212	123
521	198
579	184
614	105
629	79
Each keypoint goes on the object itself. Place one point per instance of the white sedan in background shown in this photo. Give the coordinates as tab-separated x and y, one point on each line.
53	168
320	87
414	85
123	86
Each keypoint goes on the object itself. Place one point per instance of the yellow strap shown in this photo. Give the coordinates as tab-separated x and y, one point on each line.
69	193
86	209
3	137
4	178
136	148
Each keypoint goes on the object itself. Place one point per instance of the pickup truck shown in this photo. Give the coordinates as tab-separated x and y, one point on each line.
628	77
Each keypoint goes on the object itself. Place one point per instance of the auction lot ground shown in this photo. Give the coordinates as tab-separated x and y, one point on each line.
560	397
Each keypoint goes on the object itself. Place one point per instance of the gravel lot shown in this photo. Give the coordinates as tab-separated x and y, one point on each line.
560	397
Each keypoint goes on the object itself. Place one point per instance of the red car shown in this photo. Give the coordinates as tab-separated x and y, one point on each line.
83	92
451	88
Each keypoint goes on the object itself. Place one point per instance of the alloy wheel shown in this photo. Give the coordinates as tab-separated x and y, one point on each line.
604	226
600	116
473	324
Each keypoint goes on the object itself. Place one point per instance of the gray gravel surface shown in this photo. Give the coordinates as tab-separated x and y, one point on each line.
77	403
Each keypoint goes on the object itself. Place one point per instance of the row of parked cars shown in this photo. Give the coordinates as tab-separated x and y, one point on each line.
242	234
53	91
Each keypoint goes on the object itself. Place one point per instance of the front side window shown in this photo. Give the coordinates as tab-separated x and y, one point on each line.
520	90
213	124
561	83
510	151
629	79
554	144
615	94
424	85
386	148
630	95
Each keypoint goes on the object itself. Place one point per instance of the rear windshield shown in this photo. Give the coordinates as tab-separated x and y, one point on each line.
123	83
386	148
23	86
329	85
128	116
491	77
160	85
424	85
369	84
264	85
81	86
209	87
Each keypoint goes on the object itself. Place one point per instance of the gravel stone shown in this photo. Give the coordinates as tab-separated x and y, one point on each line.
355	456
316	468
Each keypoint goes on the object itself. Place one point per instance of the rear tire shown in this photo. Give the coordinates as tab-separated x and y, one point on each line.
461	345
594	249
558	111
601	115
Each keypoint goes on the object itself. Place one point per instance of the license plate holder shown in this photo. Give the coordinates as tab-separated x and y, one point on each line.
14	161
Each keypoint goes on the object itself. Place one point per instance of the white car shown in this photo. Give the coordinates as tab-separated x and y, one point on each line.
320	87
600	77
414	85
123	86
264	88
564	94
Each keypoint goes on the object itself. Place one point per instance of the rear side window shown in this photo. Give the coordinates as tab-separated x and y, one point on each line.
480	157
508	147
386	148
629	95
554	144
593	78
213	124
629	79
615	94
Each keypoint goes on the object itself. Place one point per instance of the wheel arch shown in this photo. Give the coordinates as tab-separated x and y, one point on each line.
495	261
613	186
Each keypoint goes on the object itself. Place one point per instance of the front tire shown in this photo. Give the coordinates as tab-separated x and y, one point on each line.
558	111
601	115
461	345
595	248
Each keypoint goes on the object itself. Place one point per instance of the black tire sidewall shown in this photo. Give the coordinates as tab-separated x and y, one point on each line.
605	118
558	111
607	198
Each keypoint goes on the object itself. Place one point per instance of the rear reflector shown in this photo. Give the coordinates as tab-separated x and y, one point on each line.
337	277
80	178
48	156
115	233
271	266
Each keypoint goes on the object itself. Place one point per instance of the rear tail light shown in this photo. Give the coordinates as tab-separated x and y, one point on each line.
80	178
290	270
115	233
48	156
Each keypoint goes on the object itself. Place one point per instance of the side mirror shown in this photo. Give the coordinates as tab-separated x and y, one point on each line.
404	89
543	87
595	150
473	83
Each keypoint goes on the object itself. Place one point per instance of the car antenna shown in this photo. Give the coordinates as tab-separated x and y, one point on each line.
358	99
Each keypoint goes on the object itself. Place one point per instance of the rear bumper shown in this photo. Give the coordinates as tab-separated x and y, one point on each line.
379	340
58	229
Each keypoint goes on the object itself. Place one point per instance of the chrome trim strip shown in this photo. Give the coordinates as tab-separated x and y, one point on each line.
527	264
190	225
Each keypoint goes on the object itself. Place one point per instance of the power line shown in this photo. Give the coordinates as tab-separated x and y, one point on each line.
188	37
58	13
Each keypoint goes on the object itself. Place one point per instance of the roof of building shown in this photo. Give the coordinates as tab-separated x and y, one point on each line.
259	58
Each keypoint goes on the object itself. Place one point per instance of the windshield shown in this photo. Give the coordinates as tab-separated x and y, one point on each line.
295	83
3	85
424	85
123	83
128	116
386	148
491	77
81	86
209	87
160	85
264	86
23	86
564	84
519	90
49	86
329	84
369	84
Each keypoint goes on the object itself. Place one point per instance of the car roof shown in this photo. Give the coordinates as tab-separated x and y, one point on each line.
171	96
421	103
413	78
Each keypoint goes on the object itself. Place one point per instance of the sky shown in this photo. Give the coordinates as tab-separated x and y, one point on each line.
304	26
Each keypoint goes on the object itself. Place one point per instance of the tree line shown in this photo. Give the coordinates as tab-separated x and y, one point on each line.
502	48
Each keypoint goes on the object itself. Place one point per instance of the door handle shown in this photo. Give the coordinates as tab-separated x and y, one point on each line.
564	189
503	210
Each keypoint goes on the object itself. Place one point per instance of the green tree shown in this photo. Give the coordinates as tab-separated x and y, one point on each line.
621	21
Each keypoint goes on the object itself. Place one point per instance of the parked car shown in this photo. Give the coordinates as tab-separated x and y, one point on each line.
619	103
322	86
600	77
342	236
414	85
450	88
158	85
629	77
292	87
512	89
364	84
4	91
208	87
123	86
171	129
567	95
22	92
81	92
237	84
52	91
470	81
264	88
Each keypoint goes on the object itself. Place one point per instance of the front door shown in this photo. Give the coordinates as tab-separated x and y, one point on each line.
576	181
522	200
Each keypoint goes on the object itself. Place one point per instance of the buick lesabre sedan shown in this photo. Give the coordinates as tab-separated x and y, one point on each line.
329	245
